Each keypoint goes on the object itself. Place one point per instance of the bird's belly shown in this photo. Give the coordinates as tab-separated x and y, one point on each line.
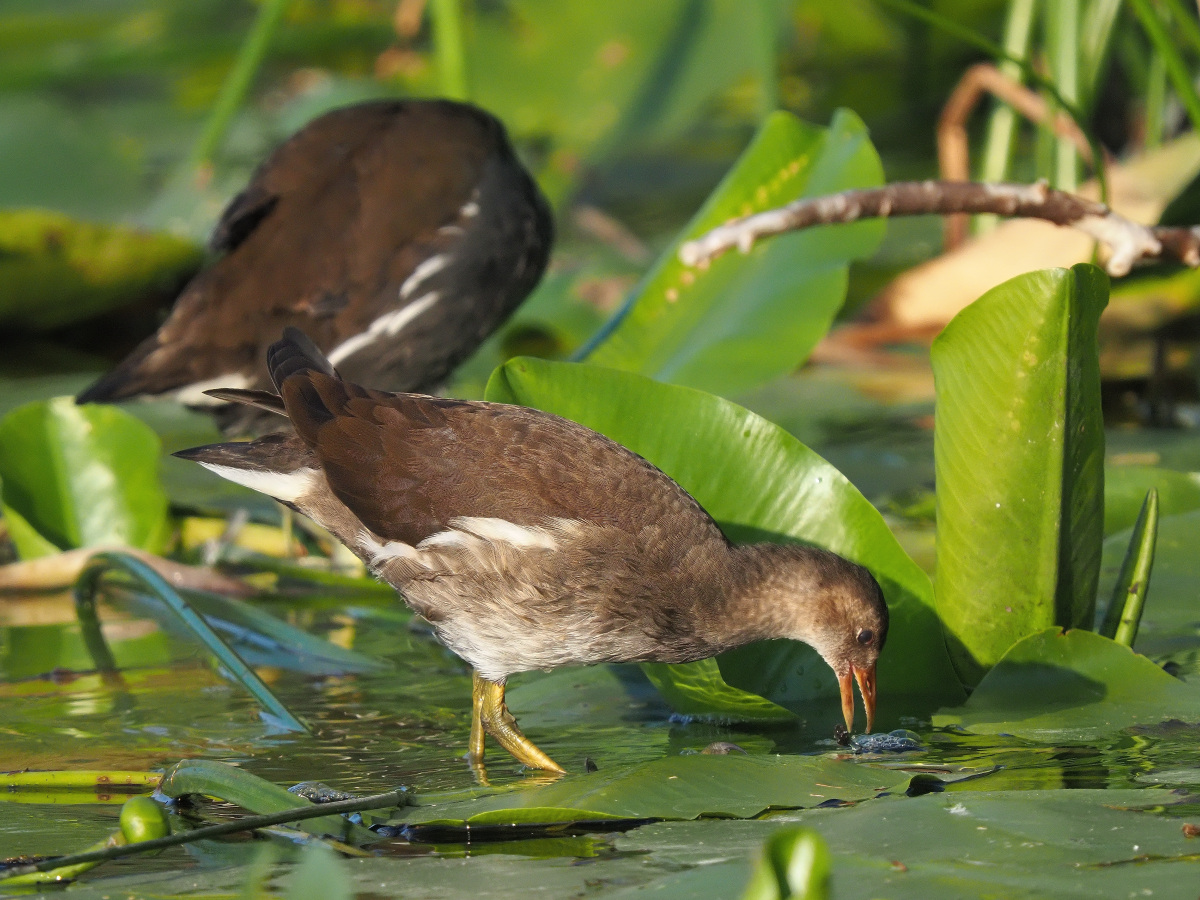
518	627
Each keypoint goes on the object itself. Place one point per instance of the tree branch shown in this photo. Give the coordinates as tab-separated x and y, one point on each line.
1128	242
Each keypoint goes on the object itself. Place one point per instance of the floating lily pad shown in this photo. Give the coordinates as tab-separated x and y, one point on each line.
677	787
1072	686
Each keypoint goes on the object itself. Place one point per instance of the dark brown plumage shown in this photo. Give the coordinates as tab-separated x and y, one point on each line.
529	541
397	234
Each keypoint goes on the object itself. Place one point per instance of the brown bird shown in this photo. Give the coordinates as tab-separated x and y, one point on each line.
531	542
399	234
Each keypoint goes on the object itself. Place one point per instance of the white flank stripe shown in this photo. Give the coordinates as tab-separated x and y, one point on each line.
285	486
389	325
193	394
381	553
502	531
428	268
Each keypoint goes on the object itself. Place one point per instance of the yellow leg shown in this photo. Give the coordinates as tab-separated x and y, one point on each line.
475	754
490	713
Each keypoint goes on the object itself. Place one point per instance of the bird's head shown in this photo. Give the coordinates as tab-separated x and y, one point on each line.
834	606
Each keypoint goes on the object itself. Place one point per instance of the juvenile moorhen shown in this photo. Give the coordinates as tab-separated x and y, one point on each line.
399	234
531	542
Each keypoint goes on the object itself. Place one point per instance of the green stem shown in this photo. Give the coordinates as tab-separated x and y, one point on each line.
98	565
448	47
1177	69
399	797
1124	611
1063	30
1187	25
237	83
998	149
997	153
975	39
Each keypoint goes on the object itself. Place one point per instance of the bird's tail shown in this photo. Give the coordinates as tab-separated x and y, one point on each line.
295	353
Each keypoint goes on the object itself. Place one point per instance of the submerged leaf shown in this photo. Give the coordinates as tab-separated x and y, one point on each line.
1019	451
744	319
759	483
80	476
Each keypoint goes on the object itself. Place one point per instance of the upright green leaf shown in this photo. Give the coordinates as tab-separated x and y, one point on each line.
1019	452
80	476
1124	612
759	483
746	318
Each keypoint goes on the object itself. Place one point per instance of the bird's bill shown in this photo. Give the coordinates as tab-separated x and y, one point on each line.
866	687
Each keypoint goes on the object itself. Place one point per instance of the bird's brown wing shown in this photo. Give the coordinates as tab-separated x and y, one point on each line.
406	464
315	240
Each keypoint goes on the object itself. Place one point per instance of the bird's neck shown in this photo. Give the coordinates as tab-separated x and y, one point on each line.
772	591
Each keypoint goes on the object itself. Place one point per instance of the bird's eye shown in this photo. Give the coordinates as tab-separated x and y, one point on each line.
865	636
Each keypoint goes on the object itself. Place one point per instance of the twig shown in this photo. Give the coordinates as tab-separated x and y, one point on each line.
1128	241
953	153
399	797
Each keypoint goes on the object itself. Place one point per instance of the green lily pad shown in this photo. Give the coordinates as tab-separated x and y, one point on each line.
80	476
1019	453
759	483
1014	844
745	318
675	787
55	270
1125	488
1073	686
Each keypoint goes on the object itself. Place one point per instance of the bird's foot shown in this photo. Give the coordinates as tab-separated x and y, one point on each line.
490	714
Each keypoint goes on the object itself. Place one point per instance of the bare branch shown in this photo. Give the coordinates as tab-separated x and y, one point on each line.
1128	241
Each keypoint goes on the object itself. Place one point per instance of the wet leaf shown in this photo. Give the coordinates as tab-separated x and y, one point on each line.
225	782
759	483
1072	686
747	318
55	270
675	787
80	476
1019	451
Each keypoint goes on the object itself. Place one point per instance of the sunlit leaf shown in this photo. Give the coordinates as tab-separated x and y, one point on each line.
759	483
746	318
1072	686
1019	451
80	476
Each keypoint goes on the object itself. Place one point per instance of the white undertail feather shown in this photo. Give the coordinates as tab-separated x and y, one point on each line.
466	531
285	486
